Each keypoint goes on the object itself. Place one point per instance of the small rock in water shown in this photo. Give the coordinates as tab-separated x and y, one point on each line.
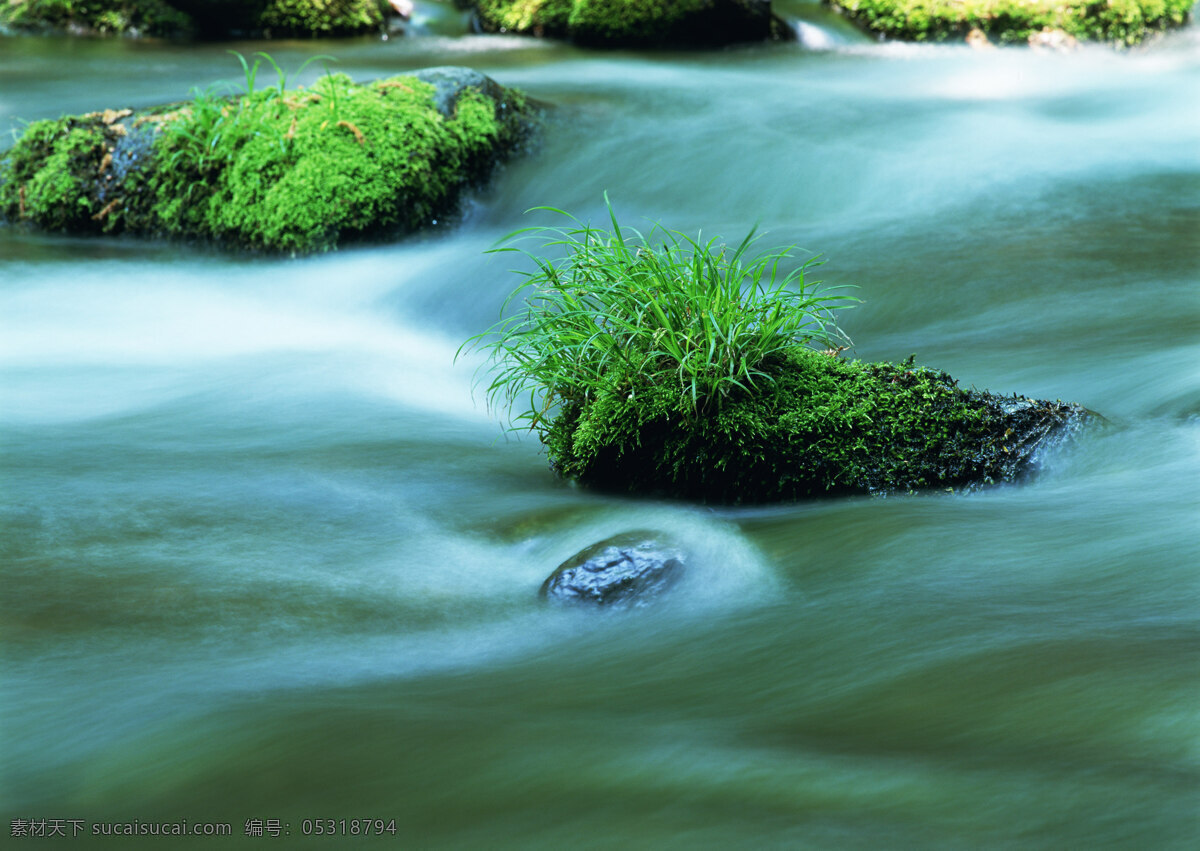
978	39
620	572
1053	39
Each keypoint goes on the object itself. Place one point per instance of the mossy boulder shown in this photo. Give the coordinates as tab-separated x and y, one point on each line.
206	18
617	23
823	426
1121	22
98	17
294	171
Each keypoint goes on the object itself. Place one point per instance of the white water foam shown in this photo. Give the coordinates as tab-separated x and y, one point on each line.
79	343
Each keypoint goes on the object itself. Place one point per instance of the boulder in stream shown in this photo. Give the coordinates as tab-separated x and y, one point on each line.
625	571
623	23
1013	22
823	426
295	170
212	19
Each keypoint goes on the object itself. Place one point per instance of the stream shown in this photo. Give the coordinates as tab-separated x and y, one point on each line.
266	555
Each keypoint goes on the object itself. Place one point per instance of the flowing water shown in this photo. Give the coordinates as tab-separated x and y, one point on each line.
265	556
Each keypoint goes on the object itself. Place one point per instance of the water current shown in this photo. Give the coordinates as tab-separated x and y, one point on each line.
265	555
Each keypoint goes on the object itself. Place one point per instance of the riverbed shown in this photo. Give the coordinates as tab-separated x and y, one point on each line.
266	555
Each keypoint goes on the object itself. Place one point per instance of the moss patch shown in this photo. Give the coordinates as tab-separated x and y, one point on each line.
321	17
297	171
824	426
210	18
101	17
634	22
1123	22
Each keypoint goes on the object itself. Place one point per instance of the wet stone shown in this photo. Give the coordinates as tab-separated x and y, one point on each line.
625	571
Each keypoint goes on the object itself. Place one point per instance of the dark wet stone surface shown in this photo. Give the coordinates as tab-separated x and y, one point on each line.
450	81
625	571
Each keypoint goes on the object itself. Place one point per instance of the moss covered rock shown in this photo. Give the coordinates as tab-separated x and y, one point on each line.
635	22
321	17
207	18
1122	22
824	426
298	170
97	17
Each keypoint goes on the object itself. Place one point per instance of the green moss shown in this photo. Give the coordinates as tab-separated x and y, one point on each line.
542	17
621	22
360	158
1123	22
321	17
630	20
210	18
823	426
50	176
296	172
152	17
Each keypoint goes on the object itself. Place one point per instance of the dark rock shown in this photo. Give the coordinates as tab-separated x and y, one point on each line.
450	81
1031	428
624	571
824	427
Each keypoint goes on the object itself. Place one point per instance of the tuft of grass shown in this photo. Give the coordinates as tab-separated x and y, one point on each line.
209	119
279	72
624	313
250	71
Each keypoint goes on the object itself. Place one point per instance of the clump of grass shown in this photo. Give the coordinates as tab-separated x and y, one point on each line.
622	313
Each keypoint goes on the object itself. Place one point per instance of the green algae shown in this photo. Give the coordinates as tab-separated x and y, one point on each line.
822	426
1121	22
296	171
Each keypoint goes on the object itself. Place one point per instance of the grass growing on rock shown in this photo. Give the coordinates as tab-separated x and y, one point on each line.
293	170
661	364
622	312
1122	22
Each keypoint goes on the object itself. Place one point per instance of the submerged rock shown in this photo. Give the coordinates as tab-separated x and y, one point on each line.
1049	38
978	39
624	571
617	23
297	170
823	426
